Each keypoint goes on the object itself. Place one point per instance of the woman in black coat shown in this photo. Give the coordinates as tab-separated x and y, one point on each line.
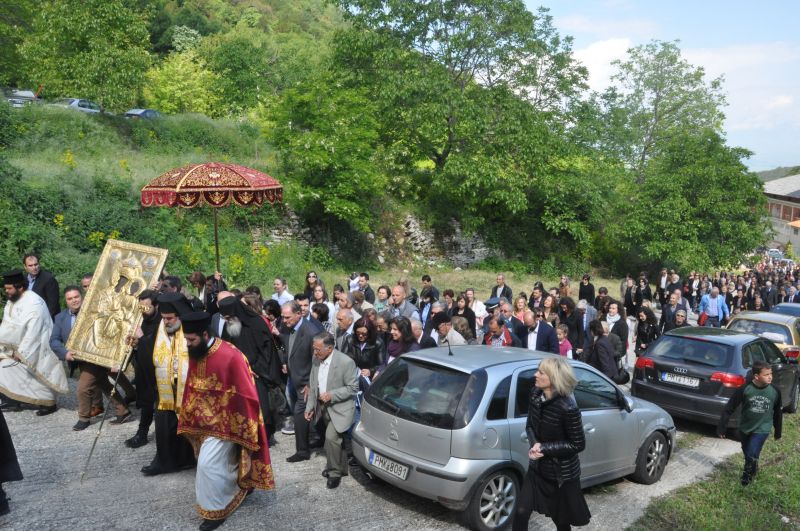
552	485
646	330
617	324
367	350
586	290
462	309
601	355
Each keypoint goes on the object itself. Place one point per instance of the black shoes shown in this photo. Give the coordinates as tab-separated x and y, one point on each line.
352	461
46	410
136	441
316	443
208	525
122	419
11	406
151	470
80	425
333	482
296	458
325	473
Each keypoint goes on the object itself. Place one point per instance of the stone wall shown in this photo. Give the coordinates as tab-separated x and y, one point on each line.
413	241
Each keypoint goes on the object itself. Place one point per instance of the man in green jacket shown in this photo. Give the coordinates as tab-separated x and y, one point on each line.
761	411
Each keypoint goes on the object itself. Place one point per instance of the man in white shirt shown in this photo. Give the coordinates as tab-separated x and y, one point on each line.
332	390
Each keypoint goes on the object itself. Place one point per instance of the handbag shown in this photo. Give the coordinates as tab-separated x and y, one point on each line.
622	376
701	321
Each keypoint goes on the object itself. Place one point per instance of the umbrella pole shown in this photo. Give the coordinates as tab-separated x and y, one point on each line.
216	237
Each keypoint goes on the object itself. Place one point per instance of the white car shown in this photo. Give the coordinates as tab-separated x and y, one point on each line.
79	105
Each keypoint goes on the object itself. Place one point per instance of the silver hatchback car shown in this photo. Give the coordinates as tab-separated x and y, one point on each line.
451	428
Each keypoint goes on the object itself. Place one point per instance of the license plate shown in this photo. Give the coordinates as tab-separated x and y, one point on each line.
688	381
387	465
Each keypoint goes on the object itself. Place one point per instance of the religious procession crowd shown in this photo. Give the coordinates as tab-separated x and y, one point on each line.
219	370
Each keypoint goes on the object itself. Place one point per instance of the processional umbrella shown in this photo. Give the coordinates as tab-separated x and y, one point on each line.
215	184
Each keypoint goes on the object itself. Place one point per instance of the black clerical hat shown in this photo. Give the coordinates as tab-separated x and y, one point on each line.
195	322
13	277
173	303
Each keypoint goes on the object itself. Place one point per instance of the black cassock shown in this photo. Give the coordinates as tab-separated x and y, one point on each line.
9	466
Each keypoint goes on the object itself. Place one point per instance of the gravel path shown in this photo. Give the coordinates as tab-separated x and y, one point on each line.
116	496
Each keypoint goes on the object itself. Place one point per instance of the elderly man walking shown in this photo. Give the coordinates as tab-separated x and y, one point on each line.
332	391
715	308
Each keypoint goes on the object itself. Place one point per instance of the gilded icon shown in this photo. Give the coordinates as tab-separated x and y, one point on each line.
110	311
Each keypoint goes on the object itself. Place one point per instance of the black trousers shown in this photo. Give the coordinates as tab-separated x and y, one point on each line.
172	451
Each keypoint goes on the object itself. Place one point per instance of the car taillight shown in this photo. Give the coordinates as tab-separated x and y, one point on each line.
727	379
792	353
645	363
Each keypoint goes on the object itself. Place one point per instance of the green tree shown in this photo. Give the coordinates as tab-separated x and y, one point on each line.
698	206
327	140
94	49
655	95
241	60
15	23
182	83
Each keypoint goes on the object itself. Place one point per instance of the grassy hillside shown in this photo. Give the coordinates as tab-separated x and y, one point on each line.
777	173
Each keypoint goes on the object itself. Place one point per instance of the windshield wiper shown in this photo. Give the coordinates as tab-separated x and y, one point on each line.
394	407
701	362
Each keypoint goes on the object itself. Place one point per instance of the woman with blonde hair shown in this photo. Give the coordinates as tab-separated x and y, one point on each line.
520	306
552	485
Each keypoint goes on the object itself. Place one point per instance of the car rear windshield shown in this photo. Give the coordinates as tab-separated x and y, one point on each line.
774	332
427	393
688	350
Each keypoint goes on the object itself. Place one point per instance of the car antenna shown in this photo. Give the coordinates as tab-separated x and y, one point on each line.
449	350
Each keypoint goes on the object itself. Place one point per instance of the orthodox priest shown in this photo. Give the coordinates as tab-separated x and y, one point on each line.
30	372
171	364
250	334
9	466
221	416
145	380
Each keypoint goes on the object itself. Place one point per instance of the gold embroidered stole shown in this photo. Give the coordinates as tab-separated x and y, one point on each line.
165	354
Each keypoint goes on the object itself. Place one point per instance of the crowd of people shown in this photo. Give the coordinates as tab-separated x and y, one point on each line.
297	362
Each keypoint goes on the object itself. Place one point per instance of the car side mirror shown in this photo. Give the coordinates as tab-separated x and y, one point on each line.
625	402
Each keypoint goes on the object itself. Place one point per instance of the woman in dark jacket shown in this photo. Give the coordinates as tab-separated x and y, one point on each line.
617	324
601	355
462	309
586	290
367	350
644	293
646	330
552	485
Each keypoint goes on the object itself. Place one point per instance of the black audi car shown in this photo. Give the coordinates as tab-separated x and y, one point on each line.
693	371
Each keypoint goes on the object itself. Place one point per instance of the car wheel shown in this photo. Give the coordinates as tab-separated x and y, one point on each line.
494	501
651	460
792	407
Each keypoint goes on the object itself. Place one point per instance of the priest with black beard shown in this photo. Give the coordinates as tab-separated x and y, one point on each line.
249	333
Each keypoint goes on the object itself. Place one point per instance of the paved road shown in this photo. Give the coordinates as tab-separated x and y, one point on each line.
116	496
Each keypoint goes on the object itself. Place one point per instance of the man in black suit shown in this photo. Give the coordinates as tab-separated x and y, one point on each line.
538	334
363	285
43	283
298	335
501	290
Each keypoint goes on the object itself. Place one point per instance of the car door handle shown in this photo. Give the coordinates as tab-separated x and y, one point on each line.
588	428
523	437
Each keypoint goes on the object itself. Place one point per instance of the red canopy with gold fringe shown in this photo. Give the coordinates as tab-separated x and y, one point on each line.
215	184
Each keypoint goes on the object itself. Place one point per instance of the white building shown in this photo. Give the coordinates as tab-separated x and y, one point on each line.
783	196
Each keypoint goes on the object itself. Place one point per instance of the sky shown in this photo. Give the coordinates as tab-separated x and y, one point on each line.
754	45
